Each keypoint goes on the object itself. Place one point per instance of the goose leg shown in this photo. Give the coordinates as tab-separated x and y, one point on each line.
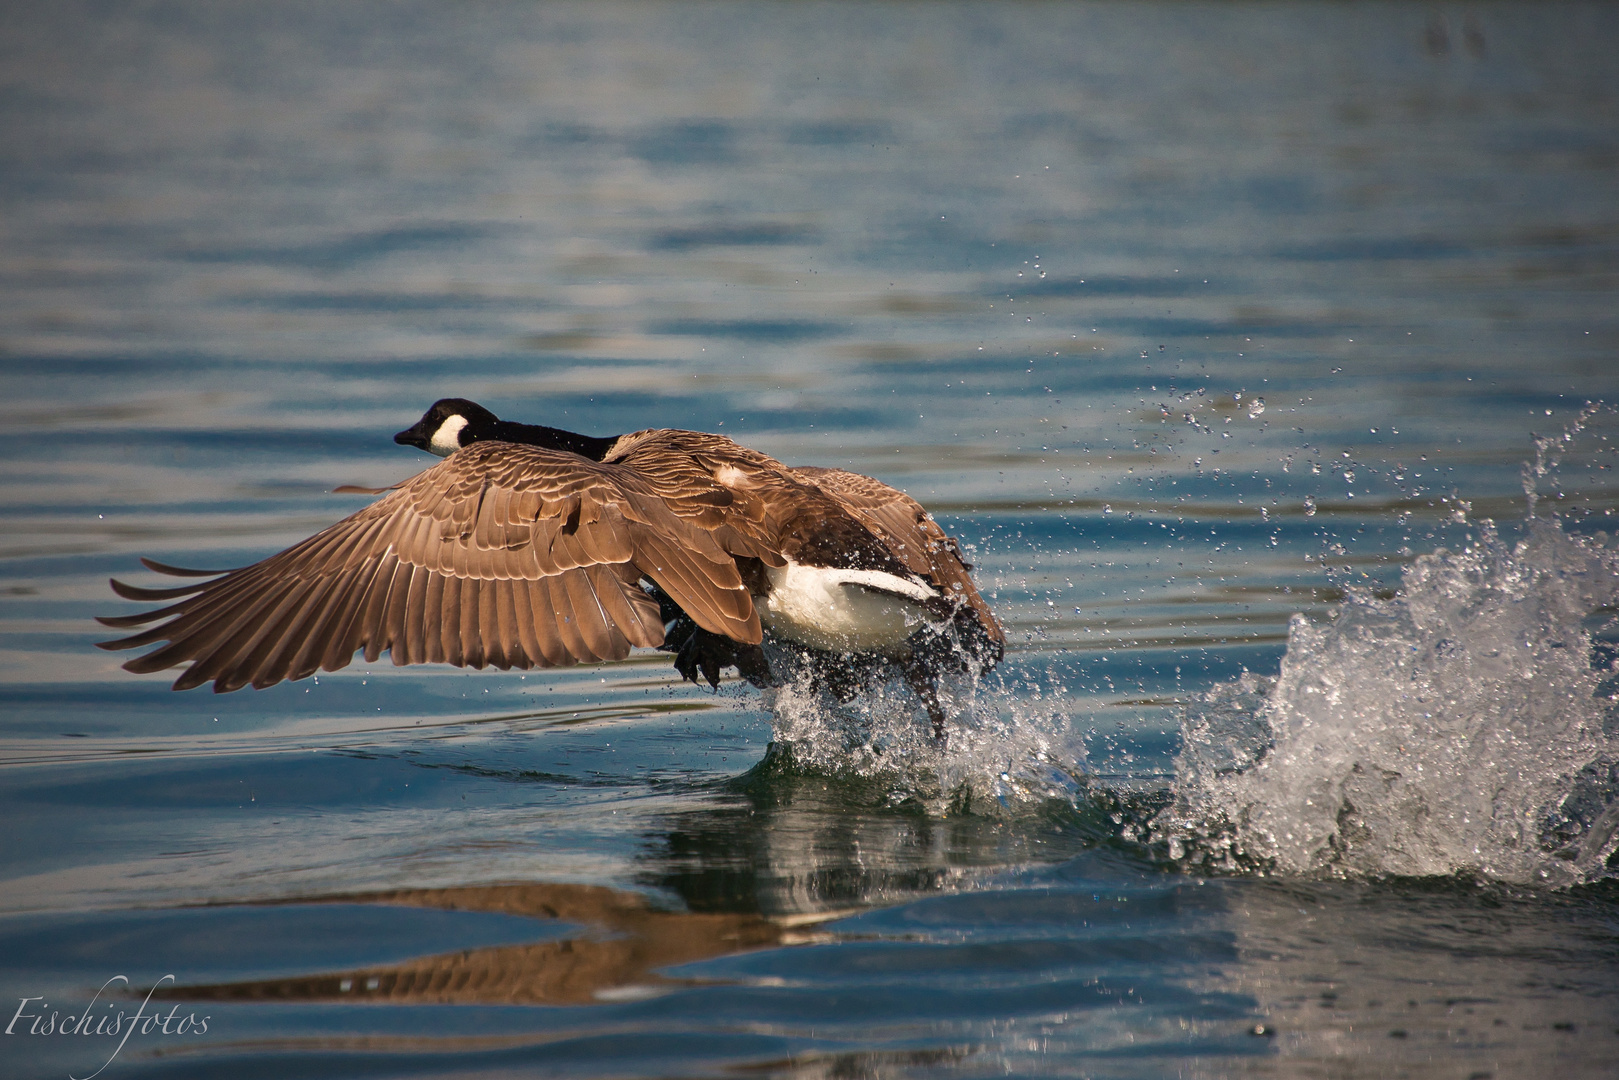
701	651
919	676
706	653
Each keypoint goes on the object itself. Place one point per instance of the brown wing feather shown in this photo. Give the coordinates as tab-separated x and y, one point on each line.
911	534
502	554
760	508
680	467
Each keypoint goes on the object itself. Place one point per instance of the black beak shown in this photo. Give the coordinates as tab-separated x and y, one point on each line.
417	436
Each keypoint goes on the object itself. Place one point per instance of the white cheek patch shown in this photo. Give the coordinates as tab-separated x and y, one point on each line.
447	439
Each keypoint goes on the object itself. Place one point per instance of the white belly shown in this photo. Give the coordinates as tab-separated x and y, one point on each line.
843	610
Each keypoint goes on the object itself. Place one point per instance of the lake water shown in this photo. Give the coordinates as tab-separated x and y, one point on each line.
1262	358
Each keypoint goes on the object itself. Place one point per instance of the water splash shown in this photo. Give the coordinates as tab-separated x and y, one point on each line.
1549	453
1467	725
1007	748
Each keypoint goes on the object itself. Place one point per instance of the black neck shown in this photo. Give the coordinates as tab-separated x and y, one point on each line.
589	446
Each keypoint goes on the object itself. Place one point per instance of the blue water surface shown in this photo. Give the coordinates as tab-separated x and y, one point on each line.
1187	319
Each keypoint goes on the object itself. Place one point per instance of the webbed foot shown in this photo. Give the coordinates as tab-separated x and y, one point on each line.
707	653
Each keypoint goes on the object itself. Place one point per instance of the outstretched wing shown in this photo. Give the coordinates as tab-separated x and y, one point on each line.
502	554
911	535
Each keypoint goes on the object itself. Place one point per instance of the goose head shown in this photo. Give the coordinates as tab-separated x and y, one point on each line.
448	426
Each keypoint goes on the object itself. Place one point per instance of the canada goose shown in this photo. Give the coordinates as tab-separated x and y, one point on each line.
529	546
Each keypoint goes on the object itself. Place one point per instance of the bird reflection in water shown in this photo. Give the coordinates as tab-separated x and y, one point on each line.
625	943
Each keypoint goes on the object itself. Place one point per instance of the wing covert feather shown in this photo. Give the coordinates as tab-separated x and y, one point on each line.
911	534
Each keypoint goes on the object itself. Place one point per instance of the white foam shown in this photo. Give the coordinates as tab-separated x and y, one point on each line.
1463	726
1006	748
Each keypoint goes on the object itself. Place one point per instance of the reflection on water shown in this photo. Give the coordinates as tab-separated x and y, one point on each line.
1321	972
632	943
1412	977
1204	328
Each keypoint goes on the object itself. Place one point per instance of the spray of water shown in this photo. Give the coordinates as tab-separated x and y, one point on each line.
1006	748
1467	725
